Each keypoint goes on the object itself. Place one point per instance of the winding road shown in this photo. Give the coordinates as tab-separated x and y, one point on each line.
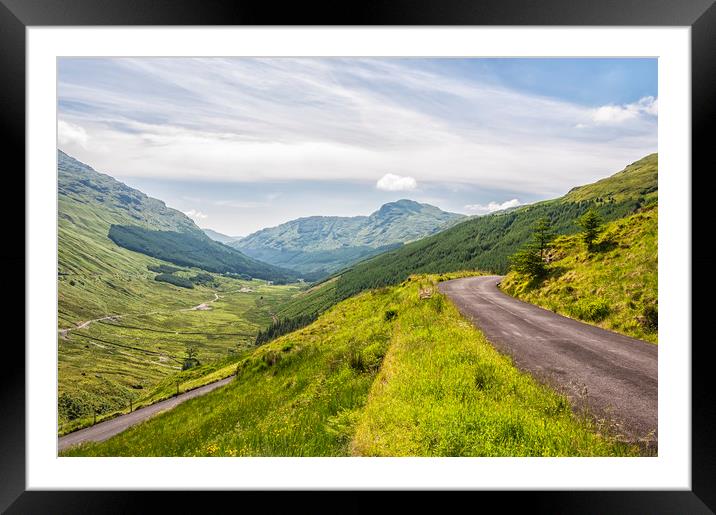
108	428
613	375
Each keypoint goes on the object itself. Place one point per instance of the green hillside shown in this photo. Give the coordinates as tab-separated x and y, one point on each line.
639	179
486	242
120	331
385	373
320	245
615	286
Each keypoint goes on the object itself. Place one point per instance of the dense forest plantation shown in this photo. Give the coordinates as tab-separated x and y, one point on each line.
195	250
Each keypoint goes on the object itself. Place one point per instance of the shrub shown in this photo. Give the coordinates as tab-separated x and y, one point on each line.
190	363
355	360
437	302
372	356
591	310
271	357
485	376
72	407
650	317
390	315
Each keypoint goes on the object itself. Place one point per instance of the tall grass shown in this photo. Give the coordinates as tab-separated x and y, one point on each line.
444	390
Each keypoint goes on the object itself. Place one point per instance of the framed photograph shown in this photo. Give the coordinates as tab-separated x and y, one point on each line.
413	247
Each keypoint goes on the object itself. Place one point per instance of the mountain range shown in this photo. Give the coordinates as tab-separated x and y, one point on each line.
319	245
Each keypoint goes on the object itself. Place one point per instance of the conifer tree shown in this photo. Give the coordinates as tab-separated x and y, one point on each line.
543	235
591	224
530	259
528	262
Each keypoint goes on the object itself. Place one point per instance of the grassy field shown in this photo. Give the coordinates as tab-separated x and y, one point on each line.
615	286
382	373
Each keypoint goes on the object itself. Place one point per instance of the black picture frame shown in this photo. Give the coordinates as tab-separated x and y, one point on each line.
17	15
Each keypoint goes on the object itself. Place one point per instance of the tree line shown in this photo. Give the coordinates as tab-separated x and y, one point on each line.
283	326
195	250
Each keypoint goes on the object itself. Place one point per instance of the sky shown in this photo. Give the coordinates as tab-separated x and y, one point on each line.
239	144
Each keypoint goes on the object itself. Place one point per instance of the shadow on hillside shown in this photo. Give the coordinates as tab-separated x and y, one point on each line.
604	246
553	272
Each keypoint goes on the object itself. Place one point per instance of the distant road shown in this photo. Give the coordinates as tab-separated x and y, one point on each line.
104	430
617	373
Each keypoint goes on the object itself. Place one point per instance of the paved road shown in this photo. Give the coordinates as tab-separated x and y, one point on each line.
104	430
618	373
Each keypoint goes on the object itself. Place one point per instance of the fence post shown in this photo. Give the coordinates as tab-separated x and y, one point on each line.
95	417
130	405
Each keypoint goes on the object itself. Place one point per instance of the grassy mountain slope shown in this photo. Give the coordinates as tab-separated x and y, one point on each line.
637	179
95	276
485	243
614	287
325	244
129	216
105	363
383	373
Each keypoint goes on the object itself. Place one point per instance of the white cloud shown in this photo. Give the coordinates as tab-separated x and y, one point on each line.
483	209
650	105
392	182
281	119
617	114
196	215
69	133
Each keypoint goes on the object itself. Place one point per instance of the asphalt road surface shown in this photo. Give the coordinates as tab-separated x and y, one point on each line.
613	375
104	430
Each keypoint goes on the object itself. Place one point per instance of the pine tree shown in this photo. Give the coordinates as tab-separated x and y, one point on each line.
543	235
528	262
530	259
591	224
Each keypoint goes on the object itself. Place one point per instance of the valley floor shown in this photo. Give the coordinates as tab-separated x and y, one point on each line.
110	361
